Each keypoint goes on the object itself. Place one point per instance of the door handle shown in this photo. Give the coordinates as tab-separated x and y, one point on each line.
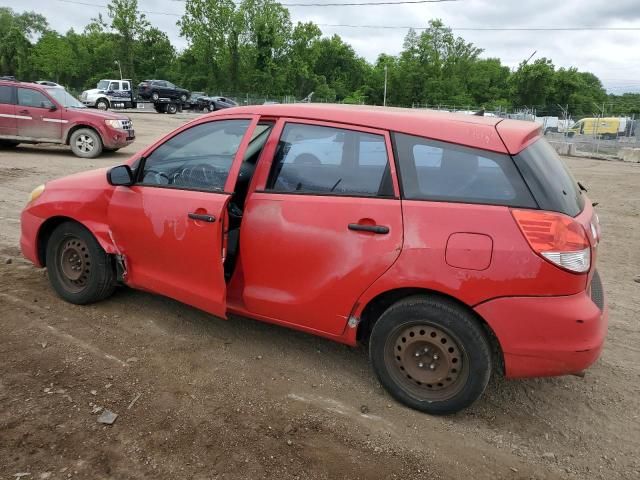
203	217
379	229
23	111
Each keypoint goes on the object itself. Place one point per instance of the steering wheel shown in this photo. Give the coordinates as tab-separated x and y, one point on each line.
159	178
202	174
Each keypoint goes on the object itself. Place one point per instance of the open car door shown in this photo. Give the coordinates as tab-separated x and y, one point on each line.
170	224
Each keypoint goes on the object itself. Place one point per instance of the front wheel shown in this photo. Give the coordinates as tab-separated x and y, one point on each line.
211	107
86	143
431	355
155	96
183	98
172	108
102	104
80	271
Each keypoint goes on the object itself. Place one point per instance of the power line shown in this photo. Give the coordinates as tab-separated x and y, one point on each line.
486	29
406	27
355	4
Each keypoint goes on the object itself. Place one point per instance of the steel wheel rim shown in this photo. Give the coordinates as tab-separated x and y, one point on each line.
427	361
74	264
85	143
102	106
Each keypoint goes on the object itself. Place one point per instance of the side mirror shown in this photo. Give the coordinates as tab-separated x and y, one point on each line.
52	108
120	176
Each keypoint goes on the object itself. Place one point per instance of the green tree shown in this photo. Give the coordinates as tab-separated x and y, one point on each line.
53	58
17	30
130	25
532	83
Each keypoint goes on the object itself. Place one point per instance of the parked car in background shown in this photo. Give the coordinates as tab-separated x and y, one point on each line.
48	83
156	89
109	94
33	113
454	247
202	101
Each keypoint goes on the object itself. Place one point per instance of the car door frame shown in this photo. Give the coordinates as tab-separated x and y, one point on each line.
258	185
47	117
9	116
218	310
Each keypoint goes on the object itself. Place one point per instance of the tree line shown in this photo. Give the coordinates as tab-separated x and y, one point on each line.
253	46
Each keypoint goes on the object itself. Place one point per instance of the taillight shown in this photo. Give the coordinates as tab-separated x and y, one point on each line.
556	237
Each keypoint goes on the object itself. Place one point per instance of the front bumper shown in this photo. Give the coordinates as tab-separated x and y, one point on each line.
547	336
29	226
118	138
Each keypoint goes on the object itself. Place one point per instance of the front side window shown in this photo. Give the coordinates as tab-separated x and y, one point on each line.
331	161
431	170
33	98
198	158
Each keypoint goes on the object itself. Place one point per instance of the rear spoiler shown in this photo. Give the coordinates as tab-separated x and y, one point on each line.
518	134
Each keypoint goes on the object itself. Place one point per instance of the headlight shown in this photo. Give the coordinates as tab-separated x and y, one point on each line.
114	123
36	193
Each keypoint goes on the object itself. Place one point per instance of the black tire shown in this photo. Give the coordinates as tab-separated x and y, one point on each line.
155	96
86	143
441	344
102	104
211	107
73	251
172	108
183	98
8	144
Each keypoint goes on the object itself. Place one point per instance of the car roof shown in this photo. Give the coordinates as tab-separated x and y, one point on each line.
468	130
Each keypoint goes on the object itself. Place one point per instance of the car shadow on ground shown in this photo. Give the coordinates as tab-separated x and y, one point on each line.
61	151
530	402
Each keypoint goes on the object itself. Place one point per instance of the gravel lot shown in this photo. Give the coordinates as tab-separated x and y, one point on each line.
241	399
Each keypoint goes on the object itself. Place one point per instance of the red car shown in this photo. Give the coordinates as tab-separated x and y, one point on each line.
33	113
455	246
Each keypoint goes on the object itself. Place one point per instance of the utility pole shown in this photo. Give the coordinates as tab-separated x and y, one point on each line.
384	100
119	68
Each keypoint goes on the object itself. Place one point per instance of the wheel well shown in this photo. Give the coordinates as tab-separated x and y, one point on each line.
105	99
78	127
46	229
379	304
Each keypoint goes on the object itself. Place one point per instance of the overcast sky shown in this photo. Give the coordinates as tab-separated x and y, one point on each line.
612	55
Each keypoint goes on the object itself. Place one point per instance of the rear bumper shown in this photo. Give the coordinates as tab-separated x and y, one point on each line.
547	336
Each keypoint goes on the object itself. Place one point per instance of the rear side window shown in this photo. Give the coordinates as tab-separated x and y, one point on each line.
331	161
439	171
549	179
6	95
32	98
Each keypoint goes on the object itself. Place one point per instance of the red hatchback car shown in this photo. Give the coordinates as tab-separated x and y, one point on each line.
34	113
455	246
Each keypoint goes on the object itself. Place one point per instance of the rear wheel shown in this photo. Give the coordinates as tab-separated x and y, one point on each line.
155	96
183	98
211	107
431	355
172	108
86	143
79	269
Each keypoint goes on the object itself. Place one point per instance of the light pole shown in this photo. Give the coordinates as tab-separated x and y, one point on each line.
384	100
119	68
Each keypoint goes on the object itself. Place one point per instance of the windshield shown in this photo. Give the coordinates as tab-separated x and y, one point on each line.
103	84
549	179
64	98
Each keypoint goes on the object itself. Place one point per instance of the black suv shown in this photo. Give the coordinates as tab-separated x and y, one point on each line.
157	89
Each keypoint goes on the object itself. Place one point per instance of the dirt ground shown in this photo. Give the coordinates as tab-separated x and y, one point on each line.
202	398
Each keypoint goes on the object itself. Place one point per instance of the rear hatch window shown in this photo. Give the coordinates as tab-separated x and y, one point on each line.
549	179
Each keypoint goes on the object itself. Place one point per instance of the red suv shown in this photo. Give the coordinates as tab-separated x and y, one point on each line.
33	113
455	246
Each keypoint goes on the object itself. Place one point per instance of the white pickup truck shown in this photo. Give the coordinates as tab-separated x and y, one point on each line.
109	94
